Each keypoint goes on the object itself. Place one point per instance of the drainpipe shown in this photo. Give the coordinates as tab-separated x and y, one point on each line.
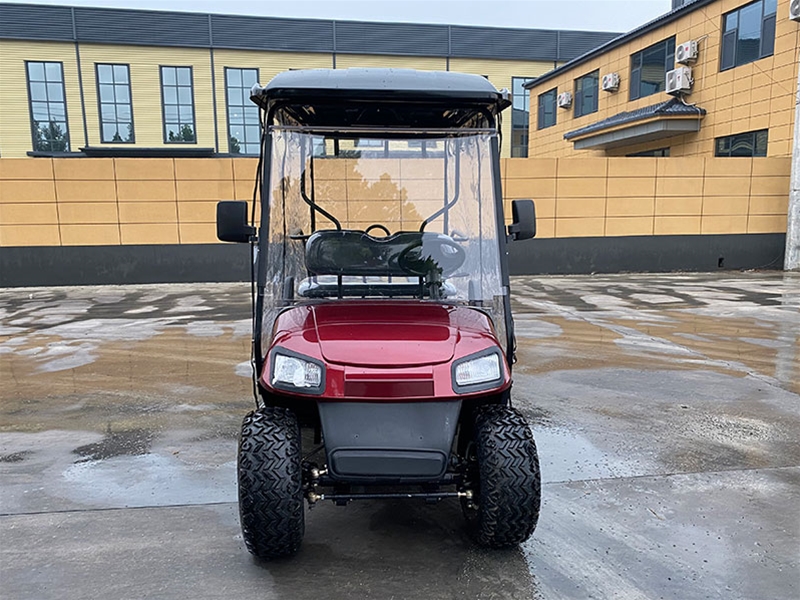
792	259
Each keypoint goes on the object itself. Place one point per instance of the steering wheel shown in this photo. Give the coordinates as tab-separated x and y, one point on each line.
377	226
434	252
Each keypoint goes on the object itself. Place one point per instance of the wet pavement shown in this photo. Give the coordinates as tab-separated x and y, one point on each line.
666	409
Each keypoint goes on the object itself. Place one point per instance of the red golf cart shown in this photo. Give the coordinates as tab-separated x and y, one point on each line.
383	341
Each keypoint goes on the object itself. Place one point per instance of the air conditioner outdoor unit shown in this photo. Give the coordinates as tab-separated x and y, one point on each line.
564	100
610	82
794	10
686	53
679	81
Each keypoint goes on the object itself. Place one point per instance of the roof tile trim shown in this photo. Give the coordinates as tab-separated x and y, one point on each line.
670	108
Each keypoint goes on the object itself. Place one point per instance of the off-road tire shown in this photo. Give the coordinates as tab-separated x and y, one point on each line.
270	483
509	489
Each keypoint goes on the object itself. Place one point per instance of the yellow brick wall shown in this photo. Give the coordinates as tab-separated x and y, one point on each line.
60	202
754	96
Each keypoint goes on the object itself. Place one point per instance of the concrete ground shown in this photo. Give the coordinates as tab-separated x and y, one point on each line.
666	409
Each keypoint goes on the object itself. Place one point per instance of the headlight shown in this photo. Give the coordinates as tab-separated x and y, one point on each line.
293	372
469	374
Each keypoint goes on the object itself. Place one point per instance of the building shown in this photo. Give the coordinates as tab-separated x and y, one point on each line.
114	82
695	179
738	71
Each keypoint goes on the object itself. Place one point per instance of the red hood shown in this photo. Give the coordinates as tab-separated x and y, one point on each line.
385	334
384	349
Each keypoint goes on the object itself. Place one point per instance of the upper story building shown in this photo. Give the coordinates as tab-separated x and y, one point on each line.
710	78
110	82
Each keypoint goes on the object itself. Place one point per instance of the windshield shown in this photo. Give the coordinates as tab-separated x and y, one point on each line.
383	218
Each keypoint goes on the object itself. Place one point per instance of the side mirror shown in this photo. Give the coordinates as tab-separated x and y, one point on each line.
523	221
232	225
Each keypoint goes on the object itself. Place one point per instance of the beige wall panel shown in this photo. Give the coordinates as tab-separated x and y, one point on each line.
768	205
763	186
524	168
630	207
29	235
204	190
724	224
421	168
144	190
204	168
144	64
244	169
621	226
623	167
665	225
28	214
766	224
580	207
631	187
729	205
89	235
23	168
149	233
580	227
534	189
679	186
14	191
726	186
197	212
198	233
84	169
545	228
148	212
83	191
15	118
679	206
86	213
135	169
581	188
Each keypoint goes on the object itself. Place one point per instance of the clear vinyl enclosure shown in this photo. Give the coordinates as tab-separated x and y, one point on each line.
383	215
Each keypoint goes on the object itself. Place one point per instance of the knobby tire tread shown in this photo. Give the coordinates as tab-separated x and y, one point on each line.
270	483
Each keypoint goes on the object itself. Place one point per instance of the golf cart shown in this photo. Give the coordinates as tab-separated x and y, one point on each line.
382	334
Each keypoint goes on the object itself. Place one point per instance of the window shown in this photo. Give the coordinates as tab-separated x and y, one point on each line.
244	132
547	109
48	106
520	116
752	143
649	68
177	101
748	34
660	152
114	99
586	94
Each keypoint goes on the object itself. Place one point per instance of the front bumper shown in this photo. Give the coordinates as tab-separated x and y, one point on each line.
398	442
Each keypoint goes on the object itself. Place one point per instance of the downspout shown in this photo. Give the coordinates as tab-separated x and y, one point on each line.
792	256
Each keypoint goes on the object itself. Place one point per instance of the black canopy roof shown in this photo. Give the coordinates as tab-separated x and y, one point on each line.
381	98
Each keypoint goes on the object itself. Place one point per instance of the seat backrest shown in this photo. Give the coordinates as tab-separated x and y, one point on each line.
349	252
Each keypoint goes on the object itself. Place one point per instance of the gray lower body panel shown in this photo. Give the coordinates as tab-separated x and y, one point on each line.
388	441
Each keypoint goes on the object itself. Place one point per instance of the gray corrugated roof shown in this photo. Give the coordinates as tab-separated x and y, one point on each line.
202	30
620	40
670	108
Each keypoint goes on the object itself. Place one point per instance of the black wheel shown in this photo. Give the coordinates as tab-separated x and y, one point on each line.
505	479
270	483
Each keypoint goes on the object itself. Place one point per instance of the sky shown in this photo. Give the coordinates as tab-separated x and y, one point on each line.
586	15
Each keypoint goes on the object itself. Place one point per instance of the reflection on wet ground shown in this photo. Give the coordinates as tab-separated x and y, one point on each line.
665	408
